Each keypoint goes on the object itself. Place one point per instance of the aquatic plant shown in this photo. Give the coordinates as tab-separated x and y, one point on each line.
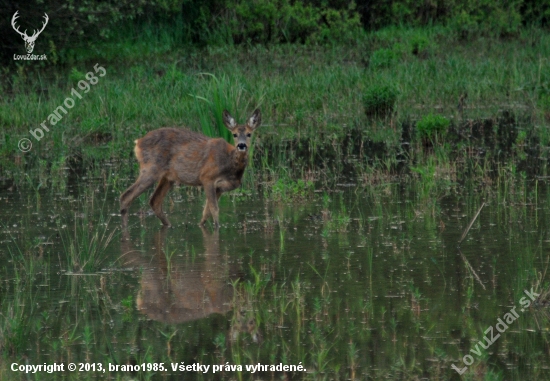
380	100
432	127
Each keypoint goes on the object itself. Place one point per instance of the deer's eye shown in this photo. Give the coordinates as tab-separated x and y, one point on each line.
234	135
248	135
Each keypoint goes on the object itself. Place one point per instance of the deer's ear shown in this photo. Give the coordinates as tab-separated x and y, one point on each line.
228	120
255	120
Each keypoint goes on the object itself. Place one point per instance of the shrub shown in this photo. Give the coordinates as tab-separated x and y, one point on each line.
288	189
382	58
464	25
486	17
420	45
380	100
289	21
76	75
544	102
432	126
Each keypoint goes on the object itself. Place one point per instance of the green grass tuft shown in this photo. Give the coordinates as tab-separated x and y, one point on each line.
432	126
380	100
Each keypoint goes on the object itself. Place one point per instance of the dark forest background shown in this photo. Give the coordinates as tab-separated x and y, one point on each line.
75	25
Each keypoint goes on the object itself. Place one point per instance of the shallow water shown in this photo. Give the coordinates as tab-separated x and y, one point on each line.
362	283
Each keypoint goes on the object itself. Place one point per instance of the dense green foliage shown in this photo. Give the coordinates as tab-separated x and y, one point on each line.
353	96
87	24
324	108
379	100
432	126
333	92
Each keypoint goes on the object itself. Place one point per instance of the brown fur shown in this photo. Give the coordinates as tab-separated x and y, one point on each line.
172	155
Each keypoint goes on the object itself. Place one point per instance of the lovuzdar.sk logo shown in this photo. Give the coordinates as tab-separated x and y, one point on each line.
29	40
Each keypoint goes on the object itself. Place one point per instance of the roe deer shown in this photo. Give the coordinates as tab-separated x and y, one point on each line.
172	155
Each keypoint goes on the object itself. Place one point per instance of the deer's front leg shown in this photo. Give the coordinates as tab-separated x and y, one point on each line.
211	206
205	213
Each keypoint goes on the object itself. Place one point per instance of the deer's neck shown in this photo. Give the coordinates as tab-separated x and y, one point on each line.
240	160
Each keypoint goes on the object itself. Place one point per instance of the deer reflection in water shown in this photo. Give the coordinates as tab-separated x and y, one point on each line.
173	292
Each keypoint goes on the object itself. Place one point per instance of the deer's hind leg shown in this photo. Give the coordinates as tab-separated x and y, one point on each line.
144	181
158	196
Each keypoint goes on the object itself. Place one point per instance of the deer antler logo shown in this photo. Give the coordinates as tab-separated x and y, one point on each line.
29	40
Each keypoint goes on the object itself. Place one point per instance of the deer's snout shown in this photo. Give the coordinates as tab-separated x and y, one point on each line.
241	147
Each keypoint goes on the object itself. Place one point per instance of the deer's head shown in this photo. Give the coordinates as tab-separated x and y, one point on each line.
29	40
242	132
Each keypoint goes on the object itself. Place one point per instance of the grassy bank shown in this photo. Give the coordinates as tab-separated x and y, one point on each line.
317	105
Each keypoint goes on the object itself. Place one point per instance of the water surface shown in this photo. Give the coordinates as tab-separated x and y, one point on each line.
351	283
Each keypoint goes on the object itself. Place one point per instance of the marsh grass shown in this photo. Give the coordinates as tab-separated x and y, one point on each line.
327	303
311	97
432	128
14	332
221	95
285	188
338	221
86	243
366	302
